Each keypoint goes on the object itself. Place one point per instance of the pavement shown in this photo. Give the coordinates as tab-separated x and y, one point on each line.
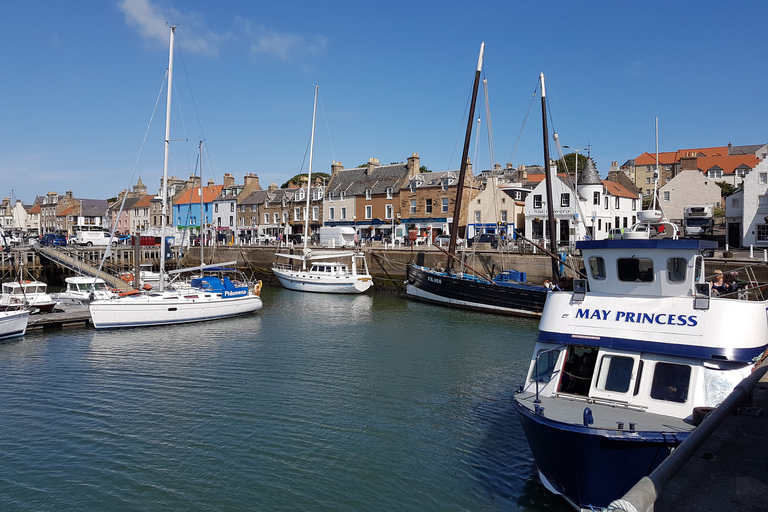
730	470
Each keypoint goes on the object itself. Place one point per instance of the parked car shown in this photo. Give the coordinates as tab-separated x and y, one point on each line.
264	238
53	239
11	240
484	238
616	234
446	239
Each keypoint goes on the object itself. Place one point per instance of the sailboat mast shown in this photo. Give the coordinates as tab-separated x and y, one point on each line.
309	180
165	162
549	178
202	259
463	167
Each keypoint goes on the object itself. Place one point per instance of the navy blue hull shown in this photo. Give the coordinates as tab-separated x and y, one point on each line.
508	298
590	466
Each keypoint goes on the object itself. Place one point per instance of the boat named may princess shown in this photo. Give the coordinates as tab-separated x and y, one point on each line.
626	365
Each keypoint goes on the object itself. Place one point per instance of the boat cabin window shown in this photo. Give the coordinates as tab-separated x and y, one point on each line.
597	267
615	373
676	269
670	382
544	370
698	264
635	269
577	371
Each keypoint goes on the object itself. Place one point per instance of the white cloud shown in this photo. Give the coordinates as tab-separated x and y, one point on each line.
280	45
152	23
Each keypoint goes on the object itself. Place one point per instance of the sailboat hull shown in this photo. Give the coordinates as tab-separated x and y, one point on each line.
13	323
517	299
168	308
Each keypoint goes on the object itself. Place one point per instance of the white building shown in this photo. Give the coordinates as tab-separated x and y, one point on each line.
600	206
746	210
687	188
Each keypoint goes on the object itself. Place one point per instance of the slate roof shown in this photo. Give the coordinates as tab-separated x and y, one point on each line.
589	175
354	182
744	150
94	207
434	179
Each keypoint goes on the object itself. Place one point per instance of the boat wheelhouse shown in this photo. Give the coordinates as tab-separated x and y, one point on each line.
32	293
625	364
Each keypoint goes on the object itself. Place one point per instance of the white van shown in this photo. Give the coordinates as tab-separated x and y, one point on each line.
90	238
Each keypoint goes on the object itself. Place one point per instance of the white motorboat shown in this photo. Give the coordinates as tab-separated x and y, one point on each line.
627	364
205	298
31	293
334	272
82	290
13	323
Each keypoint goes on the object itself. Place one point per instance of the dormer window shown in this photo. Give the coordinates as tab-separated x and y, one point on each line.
389	192
368	194
330	196
342	195
284	202
444	185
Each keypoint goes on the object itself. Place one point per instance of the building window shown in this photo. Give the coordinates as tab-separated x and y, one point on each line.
616	204
368	194
762	233
368	211
315	213
331	213
216	208
565	200
330	196
634	205
413	206
342	195
715	173
477	218
389	192
666	195
231	221
537	201
285	217
444	184
596	198
428	206
735	203
388	211
343	213
504	216
648	181
296	213
445	205
762	203
763	178
231	207
605	201
266	218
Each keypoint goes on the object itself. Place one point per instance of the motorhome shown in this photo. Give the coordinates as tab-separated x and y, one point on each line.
698	220
90	238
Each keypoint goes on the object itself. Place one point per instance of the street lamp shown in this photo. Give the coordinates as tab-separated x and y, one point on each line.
576	170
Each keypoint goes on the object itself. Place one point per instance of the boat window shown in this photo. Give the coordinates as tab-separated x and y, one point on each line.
597	267
615	373
639	376
544	370
577	371
670	382
698	265
635	269
676	269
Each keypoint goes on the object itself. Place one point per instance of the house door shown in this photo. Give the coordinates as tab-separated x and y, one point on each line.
565	231
734	234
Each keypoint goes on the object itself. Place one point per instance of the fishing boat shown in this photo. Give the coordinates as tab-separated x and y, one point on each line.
82	290
507	293
627	364
321	272
31	293
13	323
206	297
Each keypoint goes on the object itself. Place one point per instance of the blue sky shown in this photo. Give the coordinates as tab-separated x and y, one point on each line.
80	81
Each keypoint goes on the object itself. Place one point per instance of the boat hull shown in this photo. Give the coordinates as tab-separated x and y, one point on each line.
13	323
302	281
440	288
159	309
37	307
591	467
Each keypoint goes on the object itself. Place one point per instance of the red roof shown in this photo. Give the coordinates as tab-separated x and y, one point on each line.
616	189
143	202
672	157
193	195
727	163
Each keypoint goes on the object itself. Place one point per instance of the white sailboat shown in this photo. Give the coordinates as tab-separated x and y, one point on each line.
13	323
333	272
206	298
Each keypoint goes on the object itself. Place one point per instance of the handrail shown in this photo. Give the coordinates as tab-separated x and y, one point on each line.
644	494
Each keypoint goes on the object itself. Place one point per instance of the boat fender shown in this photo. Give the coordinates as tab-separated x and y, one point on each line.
257	288
587	417
125	293
147	287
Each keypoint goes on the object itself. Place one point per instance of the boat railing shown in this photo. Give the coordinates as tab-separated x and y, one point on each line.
284	266
748	287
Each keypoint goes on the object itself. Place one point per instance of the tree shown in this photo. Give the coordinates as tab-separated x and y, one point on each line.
726	188
323	176
569	160
423	168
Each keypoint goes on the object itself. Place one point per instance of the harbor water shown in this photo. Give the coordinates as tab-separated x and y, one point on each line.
317	402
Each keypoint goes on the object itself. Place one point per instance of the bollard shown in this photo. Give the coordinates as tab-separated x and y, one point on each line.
751	251
765	255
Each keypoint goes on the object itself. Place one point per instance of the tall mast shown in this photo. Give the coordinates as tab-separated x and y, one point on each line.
549	178
202	259
309	180
463	167
165	162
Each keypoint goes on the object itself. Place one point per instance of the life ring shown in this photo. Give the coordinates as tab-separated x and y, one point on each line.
127	277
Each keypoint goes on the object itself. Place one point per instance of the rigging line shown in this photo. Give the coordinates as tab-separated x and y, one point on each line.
135	166
525	121
192	96
489	126
460	135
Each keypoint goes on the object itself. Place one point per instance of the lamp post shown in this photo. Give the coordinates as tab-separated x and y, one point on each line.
575	178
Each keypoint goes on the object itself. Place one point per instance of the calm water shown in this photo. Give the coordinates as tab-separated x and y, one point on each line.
317	403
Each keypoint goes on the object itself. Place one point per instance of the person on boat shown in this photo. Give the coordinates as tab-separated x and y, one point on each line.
718	285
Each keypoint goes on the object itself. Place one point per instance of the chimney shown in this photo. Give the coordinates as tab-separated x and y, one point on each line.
509	166
469	166
273	187
251	181
688	162
229	180
372	164
335	168
414	165
211	182
497	168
